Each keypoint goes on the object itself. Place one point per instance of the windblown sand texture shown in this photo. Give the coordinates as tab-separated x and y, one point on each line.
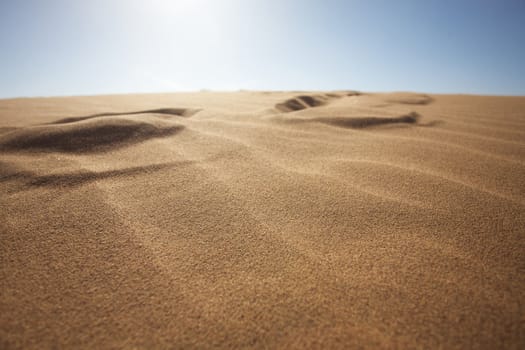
263	220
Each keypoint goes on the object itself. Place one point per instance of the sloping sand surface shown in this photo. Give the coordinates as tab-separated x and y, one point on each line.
263	220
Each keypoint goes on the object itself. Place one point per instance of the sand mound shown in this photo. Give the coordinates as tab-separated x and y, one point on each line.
308	101
358	122
180	112
304	101
408	98
93	135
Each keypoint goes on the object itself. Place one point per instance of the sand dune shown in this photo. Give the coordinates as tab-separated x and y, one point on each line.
302	102
358	122
181	112
94	135
263	220
408	98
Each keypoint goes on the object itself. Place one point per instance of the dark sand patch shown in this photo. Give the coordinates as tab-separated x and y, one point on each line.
88	136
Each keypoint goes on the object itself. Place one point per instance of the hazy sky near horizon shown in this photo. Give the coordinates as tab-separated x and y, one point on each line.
68	47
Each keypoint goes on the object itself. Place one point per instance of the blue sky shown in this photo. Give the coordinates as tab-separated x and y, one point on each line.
80	47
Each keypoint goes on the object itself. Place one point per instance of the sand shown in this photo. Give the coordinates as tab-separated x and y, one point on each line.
263	220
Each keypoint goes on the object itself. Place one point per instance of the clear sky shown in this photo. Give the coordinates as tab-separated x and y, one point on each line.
72	47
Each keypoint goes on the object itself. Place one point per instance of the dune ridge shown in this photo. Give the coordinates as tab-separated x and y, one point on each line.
180	112
359	122
305	101
86	136
408	98
274	219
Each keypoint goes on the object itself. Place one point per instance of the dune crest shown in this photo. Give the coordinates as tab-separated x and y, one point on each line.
180	112
408	98
359	122
93	135
304	101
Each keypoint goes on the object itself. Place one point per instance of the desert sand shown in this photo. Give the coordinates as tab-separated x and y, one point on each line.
263	220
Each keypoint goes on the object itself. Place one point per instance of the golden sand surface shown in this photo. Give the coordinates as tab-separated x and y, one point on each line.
271	220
